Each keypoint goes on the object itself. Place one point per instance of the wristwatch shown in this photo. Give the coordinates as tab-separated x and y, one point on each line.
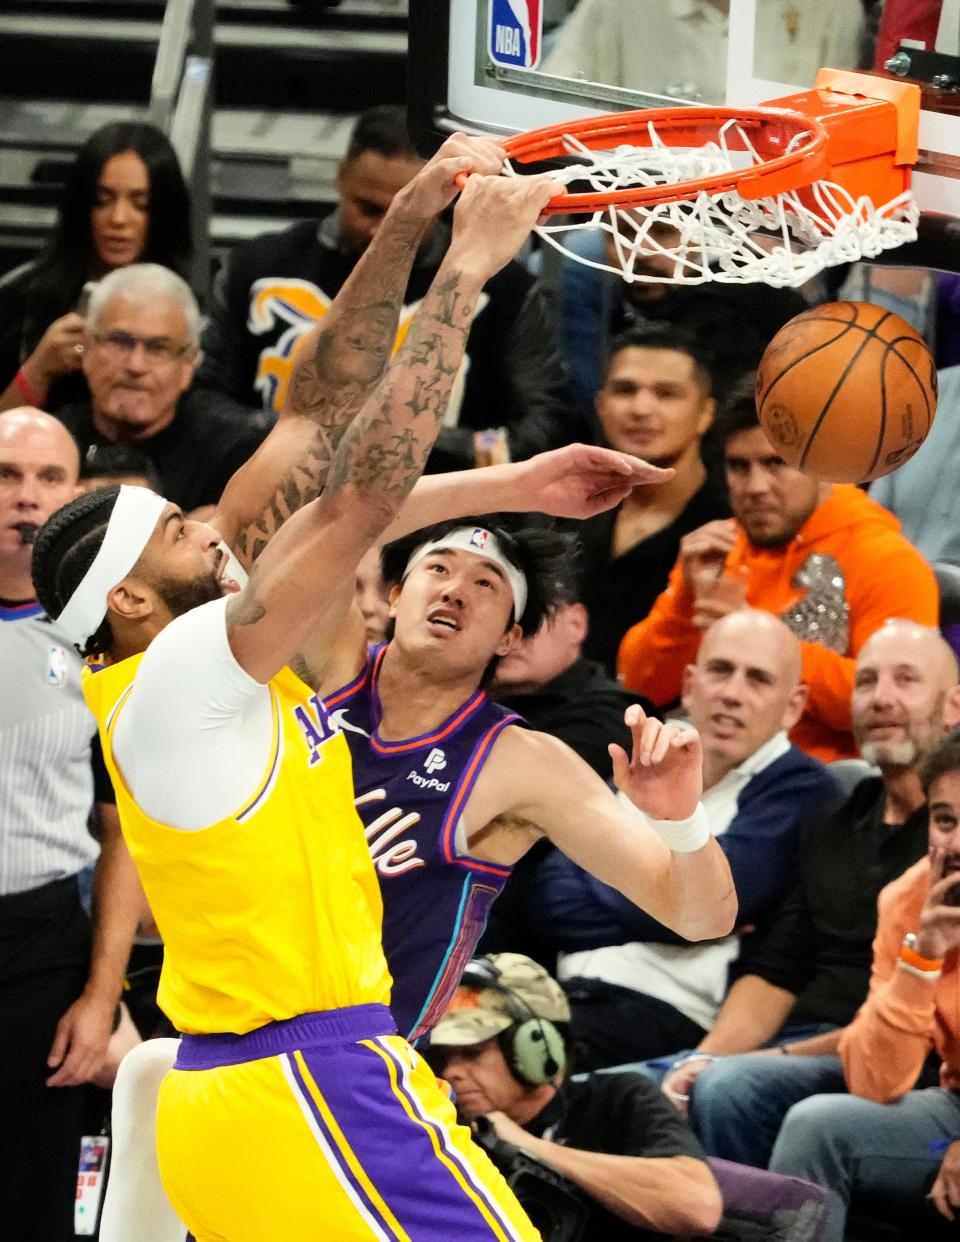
914	961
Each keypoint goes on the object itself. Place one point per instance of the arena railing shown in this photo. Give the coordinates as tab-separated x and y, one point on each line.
181	104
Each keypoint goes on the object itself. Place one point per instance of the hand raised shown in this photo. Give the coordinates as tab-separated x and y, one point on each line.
717	595
493	219
705	550
664	775
57	352
581	480
438	182
939	930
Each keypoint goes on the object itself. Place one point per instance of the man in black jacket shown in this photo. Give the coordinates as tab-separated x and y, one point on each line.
511	398
657	400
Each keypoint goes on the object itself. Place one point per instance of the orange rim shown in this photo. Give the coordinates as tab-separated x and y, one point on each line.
770	131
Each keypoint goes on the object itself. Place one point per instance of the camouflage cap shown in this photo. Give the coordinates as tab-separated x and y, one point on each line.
479	1013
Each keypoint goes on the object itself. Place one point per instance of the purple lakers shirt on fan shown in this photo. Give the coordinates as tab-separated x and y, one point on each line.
411	796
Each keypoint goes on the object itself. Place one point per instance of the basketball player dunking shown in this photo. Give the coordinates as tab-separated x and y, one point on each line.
294	1111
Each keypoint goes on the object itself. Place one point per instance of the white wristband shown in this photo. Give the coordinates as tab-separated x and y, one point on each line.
929	975
683	836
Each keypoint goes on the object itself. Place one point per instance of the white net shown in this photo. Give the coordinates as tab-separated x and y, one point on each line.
781	241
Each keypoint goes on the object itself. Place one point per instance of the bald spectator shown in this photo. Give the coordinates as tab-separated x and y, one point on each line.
638	991
827	559
140	351
804	977
60	980
656	402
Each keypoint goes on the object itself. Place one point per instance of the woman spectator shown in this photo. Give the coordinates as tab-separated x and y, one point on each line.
125	201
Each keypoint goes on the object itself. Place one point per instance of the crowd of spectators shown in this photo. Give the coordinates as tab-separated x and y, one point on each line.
793	623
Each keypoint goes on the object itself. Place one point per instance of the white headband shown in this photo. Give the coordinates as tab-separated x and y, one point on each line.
132	522
480	542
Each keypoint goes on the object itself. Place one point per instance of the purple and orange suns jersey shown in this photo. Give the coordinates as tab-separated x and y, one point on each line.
411	796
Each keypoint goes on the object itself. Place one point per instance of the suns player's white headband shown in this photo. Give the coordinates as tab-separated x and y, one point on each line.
481	542
133	520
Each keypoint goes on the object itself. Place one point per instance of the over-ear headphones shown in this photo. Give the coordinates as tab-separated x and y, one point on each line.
532	1046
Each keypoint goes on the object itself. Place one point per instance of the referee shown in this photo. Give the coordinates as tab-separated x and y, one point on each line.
60	978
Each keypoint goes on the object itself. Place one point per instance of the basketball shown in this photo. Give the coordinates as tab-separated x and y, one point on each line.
847	391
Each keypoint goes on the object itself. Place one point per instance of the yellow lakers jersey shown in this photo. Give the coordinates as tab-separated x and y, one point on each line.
275	911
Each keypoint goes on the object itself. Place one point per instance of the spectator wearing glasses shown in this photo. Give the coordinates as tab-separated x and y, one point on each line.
140	351
124	201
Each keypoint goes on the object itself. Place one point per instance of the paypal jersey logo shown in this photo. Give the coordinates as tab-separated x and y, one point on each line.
515	33
435	760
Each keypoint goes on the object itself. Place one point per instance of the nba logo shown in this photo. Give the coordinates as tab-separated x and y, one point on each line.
56	666
515	30
479	538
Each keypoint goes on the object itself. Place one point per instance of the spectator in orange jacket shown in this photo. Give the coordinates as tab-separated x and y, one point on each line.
887	1138
825	558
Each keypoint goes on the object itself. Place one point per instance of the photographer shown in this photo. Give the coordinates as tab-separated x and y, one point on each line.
889	1138
502	1049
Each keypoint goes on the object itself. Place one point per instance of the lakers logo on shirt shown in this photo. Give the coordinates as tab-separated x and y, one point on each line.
292	306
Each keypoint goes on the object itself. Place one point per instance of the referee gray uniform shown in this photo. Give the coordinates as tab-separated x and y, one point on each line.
46	796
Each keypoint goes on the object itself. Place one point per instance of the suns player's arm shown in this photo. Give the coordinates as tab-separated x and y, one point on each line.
535	785
339	363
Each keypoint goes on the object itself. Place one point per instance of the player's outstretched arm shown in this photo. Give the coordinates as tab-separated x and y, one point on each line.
671	867
577	481
383	452
340	361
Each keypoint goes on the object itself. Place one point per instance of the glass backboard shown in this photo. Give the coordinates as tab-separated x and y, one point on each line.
502	66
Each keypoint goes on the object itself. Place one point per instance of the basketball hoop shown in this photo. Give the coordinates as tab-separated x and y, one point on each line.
773	193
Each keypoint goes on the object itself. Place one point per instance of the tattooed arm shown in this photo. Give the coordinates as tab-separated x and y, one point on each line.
578	481
339	363
382	453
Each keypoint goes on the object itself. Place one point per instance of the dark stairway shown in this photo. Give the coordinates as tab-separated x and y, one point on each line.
289	79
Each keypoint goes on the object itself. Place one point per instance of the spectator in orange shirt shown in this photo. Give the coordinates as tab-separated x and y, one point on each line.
825	558
887	1138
